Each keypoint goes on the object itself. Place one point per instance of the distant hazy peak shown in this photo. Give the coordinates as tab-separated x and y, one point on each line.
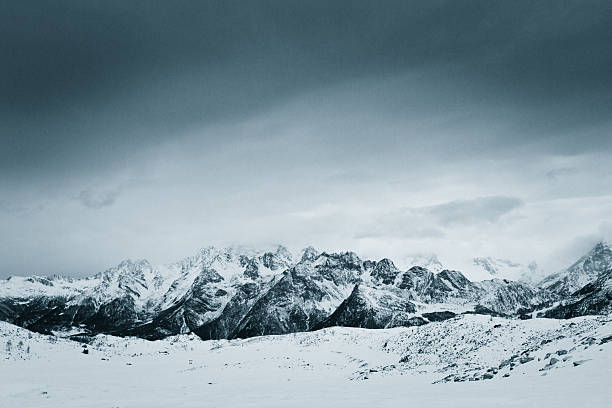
427	261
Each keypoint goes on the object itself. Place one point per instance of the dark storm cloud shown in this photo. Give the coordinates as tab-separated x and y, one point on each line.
87	83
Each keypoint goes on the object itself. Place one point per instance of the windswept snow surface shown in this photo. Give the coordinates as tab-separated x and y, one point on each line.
427	366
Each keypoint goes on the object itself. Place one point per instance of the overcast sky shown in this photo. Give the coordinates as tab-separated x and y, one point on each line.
148	129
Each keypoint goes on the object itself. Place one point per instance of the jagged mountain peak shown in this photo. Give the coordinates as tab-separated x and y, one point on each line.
126	267
231	264
275	262
347	257
385	272
226	254
278	258
135	279
345	264
418	269
232	253
601	252
215	258
602	245
309	254
282	251
601	249
385	263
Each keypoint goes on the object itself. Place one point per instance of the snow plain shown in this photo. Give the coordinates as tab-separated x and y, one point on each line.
336	367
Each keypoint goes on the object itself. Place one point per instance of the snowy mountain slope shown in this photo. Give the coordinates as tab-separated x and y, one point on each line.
424	285
473	361
220	278
593	298
507	297
305	295
26	287
373	308
178	297
587	269
226	325
481	348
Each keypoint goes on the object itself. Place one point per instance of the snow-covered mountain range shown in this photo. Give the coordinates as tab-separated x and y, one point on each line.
238	292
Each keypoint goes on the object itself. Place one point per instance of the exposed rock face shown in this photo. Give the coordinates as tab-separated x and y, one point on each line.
371	308
281	259
451	284
429	287
304	296
444	286
226	325
236	292
385	272
414	280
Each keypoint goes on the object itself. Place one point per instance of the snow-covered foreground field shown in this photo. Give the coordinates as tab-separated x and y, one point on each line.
533	363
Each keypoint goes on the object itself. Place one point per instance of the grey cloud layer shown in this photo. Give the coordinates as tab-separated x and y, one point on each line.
93	199
466	212
148	128
431	221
